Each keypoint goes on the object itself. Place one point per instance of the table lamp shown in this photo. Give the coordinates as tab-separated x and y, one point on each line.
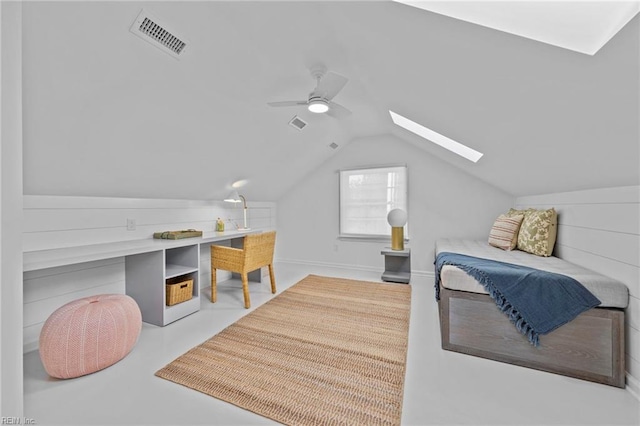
397	218
234	197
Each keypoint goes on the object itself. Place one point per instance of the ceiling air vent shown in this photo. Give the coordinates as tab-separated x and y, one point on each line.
333	145
154	31
297	123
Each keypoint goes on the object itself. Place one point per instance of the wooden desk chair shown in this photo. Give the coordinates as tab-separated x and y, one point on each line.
257	252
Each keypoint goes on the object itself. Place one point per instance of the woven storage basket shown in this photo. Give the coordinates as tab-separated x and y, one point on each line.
179	290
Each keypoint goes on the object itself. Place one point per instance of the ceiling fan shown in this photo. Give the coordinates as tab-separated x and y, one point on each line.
328	85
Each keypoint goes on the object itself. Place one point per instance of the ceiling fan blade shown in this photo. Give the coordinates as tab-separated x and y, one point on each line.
330	84
286	103
338	111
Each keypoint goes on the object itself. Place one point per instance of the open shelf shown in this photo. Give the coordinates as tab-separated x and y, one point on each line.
180	310
146	279
397	265
177	270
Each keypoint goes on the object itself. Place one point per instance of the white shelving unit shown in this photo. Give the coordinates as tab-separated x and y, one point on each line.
147	273
397	265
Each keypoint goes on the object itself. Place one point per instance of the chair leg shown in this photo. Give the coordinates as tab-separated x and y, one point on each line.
245	290
272	278
214	290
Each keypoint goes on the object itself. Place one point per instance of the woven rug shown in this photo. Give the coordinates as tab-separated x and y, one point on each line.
324	351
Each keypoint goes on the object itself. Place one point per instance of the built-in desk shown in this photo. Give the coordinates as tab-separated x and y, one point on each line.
148	264
42	259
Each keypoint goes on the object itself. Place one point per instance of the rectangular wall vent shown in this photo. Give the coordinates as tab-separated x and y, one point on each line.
154	31
297	123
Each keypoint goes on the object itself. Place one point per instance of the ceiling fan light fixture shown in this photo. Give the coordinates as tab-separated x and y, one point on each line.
318	106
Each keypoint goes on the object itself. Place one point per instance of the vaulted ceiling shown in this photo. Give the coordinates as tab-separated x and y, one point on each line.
108	114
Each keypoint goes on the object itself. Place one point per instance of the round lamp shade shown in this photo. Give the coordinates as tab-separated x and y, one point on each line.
397	218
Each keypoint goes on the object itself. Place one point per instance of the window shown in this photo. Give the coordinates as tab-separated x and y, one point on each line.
367	196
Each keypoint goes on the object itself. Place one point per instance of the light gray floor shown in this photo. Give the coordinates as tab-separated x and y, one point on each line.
440	387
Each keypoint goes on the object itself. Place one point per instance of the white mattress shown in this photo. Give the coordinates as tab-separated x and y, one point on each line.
612	293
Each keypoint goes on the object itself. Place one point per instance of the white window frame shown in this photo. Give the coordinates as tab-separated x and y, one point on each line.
401	201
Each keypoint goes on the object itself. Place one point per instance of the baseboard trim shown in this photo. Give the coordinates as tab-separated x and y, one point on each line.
349	267
30	347
428	274
329	265
633	386
205	278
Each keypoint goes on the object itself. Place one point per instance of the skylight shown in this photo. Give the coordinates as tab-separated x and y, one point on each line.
581	26
435	137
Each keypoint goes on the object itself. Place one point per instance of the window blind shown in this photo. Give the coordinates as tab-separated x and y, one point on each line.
367	196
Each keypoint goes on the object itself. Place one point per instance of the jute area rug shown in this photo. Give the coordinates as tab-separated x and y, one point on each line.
324	351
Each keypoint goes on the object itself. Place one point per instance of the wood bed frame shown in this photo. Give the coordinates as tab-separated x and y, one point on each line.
591	347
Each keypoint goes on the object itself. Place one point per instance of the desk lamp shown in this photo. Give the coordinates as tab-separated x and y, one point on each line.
234	197
397	218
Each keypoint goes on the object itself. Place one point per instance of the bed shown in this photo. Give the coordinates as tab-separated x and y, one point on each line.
590	347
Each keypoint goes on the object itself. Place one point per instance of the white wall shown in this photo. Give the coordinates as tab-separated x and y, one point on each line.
600	230
443	202
11	378
51	222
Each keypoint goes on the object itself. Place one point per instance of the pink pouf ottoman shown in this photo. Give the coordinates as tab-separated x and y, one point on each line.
89	334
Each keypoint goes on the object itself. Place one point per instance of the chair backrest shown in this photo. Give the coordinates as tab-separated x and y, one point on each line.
258	249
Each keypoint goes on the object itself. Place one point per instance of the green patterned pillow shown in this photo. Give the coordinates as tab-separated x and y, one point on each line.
538	232
525	213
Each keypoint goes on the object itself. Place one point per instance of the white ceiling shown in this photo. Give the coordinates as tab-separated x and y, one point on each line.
107	114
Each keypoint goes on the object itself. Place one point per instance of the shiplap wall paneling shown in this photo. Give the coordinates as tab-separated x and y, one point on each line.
46	290
600	230
54	222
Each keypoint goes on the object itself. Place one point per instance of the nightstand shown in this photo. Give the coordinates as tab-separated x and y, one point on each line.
397	265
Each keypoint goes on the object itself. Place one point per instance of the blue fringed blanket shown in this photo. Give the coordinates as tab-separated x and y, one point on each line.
536	301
